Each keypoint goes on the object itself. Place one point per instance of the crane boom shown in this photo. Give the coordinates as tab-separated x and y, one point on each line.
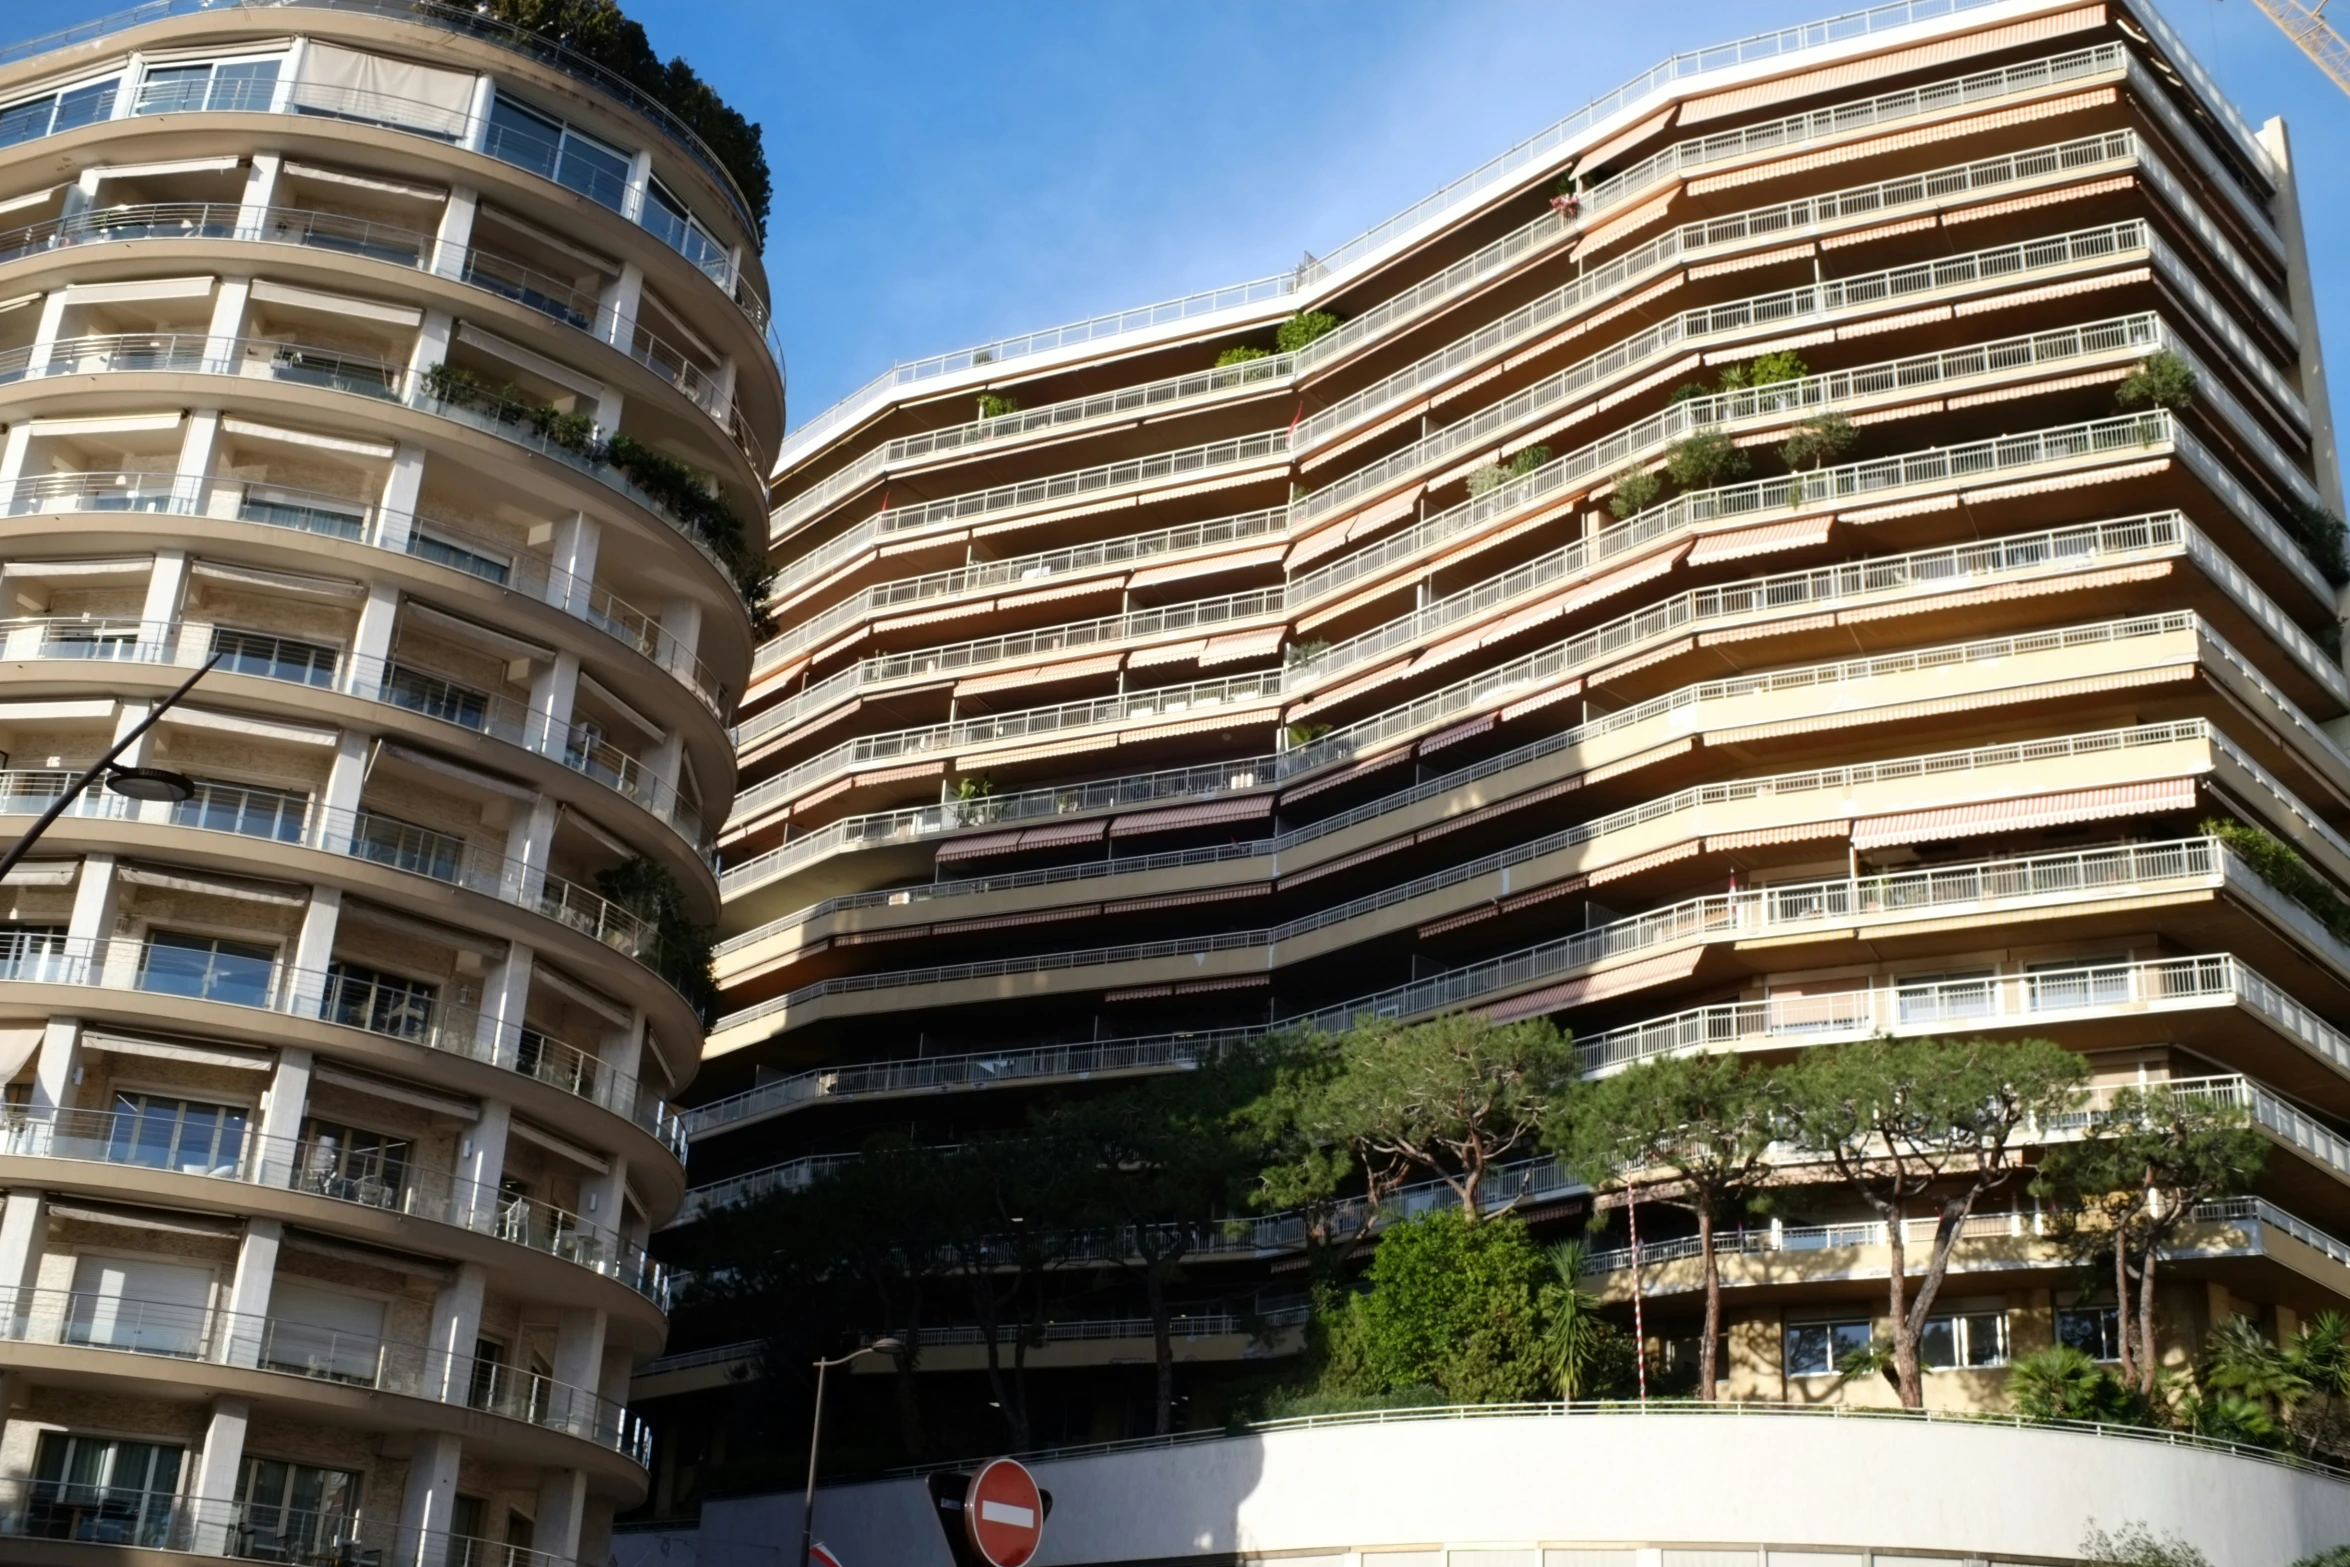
2306	25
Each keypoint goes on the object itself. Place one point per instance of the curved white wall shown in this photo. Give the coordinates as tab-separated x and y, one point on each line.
1511	1484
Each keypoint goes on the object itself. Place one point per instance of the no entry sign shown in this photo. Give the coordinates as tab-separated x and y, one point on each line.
1003	1514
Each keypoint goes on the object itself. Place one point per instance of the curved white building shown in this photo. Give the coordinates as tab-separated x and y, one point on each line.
408	366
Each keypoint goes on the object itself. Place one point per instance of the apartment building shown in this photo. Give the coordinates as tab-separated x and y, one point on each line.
1342	644
391	367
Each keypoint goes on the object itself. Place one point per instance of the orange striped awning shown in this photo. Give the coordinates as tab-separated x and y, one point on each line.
973	848
1061	832
1192	815
1768	835
1759	541
2047	810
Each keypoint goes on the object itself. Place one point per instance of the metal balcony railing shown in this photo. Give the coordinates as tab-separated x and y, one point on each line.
363	522
82	1320
303	1166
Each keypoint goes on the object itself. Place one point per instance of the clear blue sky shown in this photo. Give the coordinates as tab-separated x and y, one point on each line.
948	172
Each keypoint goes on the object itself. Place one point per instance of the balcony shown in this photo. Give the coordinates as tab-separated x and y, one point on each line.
304	1169
73	1320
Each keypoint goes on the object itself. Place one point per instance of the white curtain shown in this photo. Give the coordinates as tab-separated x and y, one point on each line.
389	92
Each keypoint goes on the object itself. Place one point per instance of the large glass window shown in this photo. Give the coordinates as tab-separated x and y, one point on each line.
275	658
545	145
362	997
295	1512
2078	982
353	1163
247	809
435	696
286	511
2093	1330
188	1135
472	562
1976	1338
207	967
1943	998
405	846
227	84
675	227
62	111
98	1489
1814	1349
29	951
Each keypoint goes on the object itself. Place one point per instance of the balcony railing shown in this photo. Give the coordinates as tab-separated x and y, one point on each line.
362	522
380	840
80	1320
358	375
553	297
302	1166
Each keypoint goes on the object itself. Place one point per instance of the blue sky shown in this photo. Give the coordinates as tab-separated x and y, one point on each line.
948	172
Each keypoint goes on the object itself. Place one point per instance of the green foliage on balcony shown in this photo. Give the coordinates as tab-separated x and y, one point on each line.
2320	534
1704	458
1818	441
601	31
1485	480
1635	491
1303	328
993	406
2276	863
2161	380
1771	369
680	952
1241	354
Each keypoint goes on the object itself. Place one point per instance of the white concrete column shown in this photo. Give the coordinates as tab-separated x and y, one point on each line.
528	840
13	453
608	408
314	947
481	1152
60	1059
260	191
193	472
578	538
478	124
346	776
554	691
624	297
228	322
217	1468
432	340
46	333
248	1295
681	622
604	1200
282	1108
562	1500
371	640
23	1224
640	178
724	381
455	233
431	1499
505	993
666	761
133	68
281	101
166	581
395	521
91	924
456	1327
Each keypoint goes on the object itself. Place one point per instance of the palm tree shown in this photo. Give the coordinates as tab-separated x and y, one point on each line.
1574	1334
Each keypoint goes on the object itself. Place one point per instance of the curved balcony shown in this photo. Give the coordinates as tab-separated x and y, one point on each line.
119	1517
72	1319
188	644
409	249
307	1169
361	835
353	521
434	121
300	364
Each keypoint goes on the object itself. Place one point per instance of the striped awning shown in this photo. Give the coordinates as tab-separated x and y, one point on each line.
1598	987
1761	541
985	843
1242	644
1649	861
1018	679
2046	810
1767	835
1061	832
1167	820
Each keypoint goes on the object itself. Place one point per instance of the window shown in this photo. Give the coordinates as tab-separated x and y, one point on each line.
465	1541
441	552
2078	982
28	951
249	810
361	997
2093	1330
545	145
405	846
675	227
324	1333
188	1135
94	1488
294	1512
208	968
1935	998
22	122
1970	1339
231	84
436	697
92	639
1814	1348
353	1164
285	511
139	1304
275	658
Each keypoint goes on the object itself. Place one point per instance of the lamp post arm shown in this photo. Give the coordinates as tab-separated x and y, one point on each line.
32	834
808	1502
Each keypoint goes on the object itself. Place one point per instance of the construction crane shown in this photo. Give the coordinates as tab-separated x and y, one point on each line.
2306	25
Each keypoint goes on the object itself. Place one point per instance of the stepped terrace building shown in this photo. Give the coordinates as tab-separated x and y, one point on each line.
1362	640
392	363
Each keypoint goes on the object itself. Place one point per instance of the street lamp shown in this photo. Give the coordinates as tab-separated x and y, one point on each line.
880	1346
137	783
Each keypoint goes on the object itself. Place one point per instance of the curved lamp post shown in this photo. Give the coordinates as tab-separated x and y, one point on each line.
137	783
880	1346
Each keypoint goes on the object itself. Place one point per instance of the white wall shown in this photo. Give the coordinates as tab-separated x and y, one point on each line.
1521	1481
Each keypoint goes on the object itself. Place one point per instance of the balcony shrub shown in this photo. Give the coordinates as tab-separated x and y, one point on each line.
680	952
1303	735
1703	458
992	406
2275	862
2160	380
1818	441
1485	480
1635	491
2320	534
1304	655
1303	328
1771	369
599	30
1241	355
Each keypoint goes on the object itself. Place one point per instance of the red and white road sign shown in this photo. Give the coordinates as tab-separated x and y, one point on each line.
1004	1514
820	1555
